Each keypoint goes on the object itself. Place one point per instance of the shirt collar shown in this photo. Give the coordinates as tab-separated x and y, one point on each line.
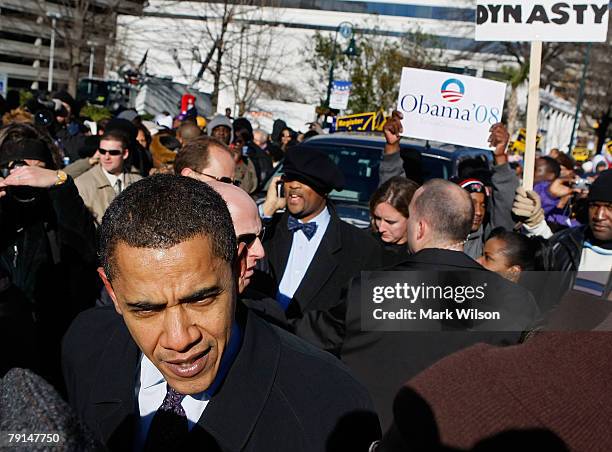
112	178
321	219
151	376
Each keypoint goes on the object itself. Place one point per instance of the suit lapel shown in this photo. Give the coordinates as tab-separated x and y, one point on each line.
113	396
322	265
233	412
279	248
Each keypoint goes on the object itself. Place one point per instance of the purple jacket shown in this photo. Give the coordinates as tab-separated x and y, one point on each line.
549	204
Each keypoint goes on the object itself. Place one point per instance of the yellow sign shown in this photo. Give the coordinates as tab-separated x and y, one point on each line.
361	122
609	147
580	154
518	145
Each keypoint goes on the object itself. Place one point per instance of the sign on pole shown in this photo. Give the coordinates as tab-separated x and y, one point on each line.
3	84
537	21
340	94
449	108
542	20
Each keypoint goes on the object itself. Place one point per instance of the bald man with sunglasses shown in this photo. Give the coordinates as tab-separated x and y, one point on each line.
249	236
247	225
99	186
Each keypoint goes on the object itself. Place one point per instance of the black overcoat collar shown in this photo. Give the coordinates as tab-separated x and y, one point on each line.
323	264
231	414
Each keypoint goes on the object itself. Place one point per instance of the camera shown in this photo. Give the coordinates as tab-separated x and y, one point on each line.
21	194
6	170
581	184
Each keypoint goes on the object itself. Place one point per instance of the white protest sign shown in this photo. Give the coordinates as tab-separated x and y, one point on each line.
542	20
340	93
449	108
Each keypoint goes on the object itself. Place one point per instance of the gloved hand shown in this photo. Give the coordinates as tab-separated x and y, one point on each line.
528	207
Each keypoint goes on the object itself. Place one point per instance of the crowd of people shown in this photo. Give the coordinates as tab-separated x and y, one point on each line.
139	277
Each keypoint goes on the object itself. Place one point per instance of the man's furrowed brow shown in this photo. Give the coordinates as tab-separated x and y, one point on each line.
201	294
145	305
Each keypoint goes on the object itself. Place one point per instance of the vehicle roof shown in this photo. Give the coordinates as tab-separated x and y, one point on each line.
377	141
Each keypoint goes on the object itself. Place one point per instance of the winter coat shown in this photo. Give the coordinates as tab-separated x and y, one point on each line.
96	191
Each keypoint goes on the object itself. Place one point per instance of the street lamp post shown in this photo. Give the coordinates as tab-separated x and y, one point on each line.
91	60
346	30
54	17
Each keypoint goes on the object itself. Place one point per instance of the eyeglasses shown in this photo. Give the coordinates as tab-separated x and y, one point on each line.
224	179
113	152
249	239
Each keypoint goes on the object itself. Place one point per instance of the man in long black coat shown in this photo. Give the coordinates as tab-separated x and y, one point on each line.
311	254
440	220
177	364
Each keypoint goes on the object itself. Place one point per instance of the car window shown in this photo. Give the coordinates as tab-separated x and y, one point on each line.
435	167
359	166
360	169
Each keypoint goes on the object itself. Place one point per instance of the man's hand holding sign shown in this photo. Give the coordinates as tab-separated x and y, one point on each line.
448	108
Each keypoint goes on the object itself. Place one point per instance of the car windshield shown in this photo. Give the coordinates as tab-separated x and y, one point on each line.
360	168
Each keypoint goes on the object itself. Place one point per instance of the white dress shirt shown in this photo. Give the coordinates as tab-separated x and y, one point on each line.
112	179
151	388
300	257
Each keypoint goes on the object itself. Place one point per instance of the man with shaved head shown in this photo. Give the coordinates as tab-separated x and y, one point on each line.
188	131
440	219
247	226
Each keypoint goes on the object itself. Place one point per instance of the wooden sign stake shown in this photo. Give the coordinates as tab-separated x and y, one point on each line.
533	107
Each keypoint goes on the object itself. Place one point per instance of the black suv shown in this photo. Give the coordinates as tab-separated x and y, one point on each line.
359	157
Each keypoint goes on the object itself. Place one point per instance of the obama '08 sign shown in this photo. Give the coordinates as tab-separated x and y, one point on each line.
543	20
449	108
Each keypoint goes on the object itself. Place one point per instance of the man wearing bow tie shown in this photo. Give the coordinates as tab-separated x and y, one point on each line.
311	254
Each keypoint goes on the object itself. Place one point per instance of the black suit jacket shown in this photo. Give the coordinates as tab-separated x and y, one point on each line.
345	250
383	361
280	393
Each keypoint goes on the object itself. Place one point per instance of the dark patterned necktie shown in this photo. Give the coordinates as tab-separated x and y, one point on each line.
169	426
309	229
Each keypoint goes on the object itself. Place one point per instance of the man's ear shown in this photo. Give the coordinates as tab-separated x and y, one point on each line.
515	270
186	172
421	229
109	289
241	265
126	153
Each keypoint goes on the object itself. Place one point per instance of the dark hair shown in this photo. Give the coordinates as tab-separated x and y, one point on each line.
310	134
117	135
162	211
397	191
189	131
148	138
526	252
195	154
552	166
449	216
566	161
102	123
16	132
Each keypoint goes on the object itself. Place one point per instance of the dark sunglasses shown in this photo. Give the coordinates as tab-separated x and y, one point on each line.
224	179
114	152
249	239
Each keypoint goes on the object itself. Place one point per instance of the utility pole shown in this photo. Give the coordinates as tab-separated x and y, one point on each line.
54	17
580	95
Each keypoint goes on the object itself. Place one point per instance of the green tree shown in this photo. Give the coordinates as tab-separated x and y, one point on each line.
376	71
